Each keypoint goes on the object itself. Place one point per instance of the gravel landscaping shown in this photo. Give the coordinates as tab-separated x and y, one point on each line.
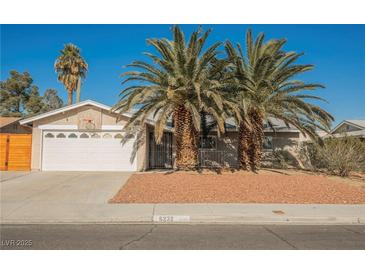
239	187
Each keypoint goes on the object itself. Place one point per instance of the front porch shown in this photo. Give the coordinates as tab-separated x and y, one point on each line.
214	152
217	152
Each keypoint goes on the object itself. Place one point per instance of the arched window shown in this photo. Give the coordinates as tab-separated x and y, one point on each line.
107	136
61	135
49	135
72	135
84	135
95	135
118	136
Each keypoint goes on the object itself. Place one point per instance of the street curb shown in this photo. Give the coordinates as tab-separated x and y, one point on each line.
208	220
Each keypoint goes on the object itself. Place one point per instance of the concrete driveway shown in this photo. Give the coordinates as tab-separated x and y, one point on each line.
60	196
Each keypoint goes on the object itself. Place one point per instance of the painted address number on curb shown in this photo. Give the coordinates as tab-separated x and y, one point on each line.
170	218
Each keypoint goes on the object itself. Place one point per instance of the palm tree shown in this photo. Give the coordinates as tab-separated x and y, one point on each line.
265	87
181	84
71	69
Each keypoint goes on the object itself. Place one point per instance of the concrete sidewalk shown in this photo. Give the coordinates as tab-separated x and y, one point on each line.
189	213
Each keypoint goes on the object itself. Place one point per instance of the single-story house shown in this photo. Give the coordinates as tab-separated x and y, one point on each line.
11	125
87	136
355	128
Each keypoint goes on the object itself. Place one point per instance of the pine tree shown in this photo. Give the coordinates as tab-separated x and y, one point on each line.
14	93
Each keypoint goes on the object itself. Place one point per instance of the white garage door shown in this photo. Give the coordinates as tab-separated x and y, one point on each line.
85	151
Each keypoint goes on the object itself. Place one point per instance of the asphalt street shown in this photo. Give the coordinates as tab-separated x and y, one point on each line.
169	237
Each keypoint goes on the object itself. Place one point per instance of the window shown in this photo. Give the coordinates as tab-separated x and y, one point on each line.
267	142
49	135
72	135
95	135
107	136
118	136
84	135
208	142
61	135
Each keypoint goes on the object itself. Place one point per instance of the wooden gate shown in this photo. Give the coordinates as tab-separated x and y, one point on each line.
15	151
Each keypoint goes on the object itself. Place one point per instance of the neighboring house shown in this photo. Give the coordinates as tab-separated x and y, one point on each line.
87	136
11	125
354	128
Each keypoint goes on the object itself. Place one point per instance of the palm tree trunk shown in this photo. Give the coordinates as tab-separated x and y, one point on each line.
186	140
244	135
255	151
78	90
69	98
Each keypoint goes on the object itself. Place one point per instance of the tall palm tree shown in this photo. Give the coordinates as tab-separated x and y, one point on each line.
180	84
71	69
265	87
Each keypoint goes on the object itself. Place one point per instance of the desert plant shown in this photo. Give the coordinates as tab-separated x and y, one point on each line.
337	156
283	158
343	155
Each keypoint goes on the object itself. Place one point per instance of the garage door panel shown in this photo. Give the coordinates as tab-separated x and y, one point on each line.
87	154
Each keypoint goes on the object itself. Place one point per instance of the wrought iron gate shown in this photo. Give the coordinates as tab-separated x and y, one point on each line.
160	155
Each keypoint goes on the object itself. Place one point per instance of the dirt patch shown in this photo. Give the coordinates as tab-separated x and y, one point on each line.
238	187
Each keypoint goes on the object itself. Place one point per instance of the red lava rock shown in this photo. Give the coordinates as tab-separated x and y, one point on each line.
238	187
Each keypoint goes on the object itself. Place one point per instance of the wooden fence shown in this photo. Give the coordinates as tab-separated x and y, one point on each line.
15	151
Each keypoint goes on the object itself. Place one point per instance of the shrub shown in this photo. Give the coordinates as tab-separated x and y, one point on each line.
284	159
338	156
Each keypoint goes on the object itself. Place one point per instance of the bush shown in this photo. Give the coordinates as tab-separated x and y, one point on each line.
338	156
284	159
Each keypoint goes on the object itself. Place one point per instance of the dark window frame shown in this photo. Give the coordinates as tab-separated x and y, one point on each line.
215	142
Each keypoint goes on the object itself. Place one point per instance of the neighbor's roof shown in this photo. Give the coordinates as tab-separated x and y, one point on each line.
358	123
4	121
356	133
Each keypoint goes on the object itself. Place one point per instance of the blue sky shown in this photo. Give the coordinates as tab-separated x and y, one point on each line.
337	51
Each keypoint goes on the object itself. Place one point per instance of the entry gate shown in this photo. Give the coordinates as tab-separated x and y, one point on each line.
160	155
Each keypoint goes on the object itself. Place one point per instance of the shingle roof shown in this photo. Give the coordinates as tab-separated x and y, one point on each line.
278	125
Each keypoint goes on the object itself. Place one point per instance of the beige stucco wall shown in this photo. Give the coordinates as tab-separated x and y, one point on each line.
36	148
77	116
142	150
80	117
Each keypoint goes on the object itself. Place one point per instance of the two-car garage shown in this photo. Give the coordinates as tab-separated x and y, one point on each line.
87	151
86	136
